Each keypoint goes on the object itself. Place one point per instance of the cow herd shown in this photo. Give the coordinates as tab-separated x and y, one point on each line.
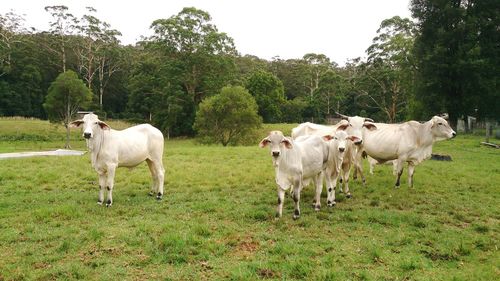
314	153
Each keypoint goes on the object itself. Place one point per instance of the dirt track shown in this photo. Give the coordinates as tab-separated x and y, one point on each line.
58	152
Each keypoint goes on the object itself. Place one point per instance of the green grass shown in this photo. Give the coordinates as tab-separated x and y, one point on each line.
216	221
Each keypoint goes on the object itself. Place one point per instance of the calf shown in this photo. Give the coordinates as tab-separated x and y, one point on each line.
110	149
296	163
341	155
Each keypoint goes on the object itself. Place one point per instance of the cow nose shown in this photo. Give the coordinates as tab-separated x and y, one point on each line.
341	149
454	134
276	153
86	135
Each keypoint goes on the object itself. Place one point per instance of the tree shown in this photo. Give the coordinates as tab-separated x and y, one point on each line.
196	52
268	92
458	57
65	96
386	80
227	117
61	27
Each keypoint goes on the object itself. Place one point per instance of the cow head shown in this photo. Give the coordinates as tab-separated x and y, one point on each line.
355	125
277	142
90	124
440	129
338	141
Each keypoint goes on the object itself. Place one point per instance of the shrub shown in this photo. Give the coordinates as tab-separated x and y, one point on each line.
228	117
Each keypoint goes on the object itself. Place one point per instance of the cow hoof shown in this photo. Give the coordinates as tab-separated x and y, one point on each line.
348	195
331	204
99	202
296	214
109	203
396	186
317	208
151	193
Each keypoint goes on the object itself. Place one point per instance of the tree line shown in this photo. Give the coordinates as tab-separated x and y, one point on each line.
446	60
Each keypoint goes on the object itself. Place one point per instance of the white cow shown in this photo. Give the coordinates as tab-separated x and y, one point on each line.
297	163
406	142
340	149
308	128
110	149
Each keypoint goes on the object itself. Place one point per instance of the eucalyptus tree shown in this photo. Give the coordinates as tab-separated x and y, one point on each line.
98	55
11	29
386	78
63	25
195	51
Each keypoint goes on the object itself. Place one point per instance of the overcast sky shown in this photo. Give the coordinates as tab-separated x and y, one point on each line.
340	29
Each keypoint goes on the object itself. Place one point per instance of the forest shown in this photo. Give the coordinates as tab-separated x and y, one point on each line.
445	59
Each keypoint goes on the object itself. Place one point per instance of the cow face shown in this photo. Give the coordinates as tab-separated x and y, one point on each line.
355	127
441	130
339	140
90	124
276	141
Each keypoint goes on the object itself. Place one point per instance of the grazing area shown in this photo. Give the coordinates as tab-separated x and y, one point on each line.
217	217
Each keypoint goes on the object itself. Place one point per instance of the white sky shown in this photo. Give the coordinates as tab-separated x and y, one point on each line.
340	29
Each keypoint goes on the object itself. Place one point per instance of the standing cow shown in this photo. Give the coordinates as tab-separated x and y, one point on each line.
110	149
340	157
406	142
296	163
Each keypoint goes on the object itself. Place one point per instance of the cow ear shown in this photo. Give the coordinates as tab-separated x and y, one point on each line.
370	126
327	137
264	142
354	138
287	143
103	125
342	127
76	123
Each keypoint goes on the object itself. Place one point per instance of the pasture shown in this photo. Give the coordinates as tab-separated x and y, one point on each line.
216	221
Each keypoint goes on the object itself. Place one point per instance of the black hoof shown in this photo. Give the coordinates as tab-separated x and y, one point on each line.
317	208
151	193
331	203
348	195
296	214
109	203
99	202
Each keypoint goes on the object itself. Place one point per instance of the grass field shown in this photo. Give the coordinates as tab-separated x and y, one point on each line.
216	221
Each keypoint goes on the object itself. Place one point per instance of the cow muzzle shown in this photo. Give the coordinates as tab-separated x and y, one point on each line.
87	135
341	149
276	153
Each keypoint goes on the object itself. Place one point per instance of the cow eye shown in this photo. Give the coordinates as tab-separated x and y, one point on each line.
440	123
95	123
335	138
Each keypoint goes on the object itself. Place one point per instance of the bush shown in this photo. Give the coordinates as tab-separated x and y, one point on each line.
228	117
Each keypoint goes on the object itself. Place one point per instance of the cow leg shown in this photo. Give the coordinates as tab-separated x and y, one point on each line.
281	199
345	170
102	184
158	175
109	184
296	198
330	200
358	165
399	168
411	170
318	180
154	184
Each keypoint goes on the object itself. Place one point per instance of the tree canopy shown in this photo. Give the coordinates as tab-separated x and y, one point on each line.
446	60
